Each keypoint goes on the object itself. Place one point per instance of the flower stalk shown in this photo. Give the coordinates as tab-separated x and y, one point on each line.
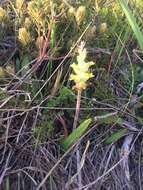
77	109
80	77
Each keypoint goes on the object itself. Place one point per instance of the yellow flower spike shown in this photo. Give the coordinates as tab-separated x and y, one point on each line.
34	13
71	12
80	14
81	70
3	14
19	4
103	27
27	22
24	36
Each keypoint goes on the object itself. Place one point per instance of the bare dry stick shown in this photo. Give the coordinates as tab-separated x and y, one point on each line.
125	155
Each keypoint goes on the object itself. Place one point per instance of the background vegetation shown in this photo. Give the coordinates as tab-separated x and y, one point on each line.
71	94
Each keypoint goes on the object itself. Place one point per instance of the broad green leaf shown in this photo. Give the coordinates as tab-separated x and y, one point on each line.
76	134
116	136
132	21
25	60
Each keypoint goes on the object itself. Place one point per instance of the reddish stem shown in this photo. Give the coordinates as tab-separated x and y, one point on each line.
77	109
42	52
64	126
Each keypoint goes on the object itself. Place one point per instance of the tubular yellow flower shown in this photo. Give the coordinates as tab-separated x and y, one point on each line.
71	12
34	13
19	4
80	14
24	36
81	70
3	14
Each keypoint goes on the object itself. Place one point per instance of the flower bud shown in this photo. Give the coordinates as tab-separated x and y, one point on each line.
80	14
71	12
3	14
39	42
103	27
24	36
19	4
27	22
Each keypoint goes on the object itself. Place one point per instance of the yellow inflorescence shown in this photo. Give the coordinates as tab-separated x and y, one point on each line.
103	27
38	10
71	12
34	13
80	14
24	36
19	4
3	14
81	70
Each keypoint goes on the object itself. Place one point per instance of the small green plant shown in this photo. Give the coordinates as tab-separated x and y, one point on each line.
76	134
80	77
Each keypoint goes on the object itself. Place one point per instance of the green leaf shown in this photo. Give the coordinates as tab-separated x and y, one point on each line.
52	37
132	21
25	60
76	134
116	136
17	65
21	64
109	120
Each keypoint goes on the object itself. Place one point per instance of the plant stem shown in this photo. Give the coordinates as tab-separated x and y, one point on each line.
77	109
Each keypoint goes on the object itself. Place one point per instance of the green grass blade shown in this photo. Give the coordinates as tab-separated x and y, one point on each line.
76	134
132	21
